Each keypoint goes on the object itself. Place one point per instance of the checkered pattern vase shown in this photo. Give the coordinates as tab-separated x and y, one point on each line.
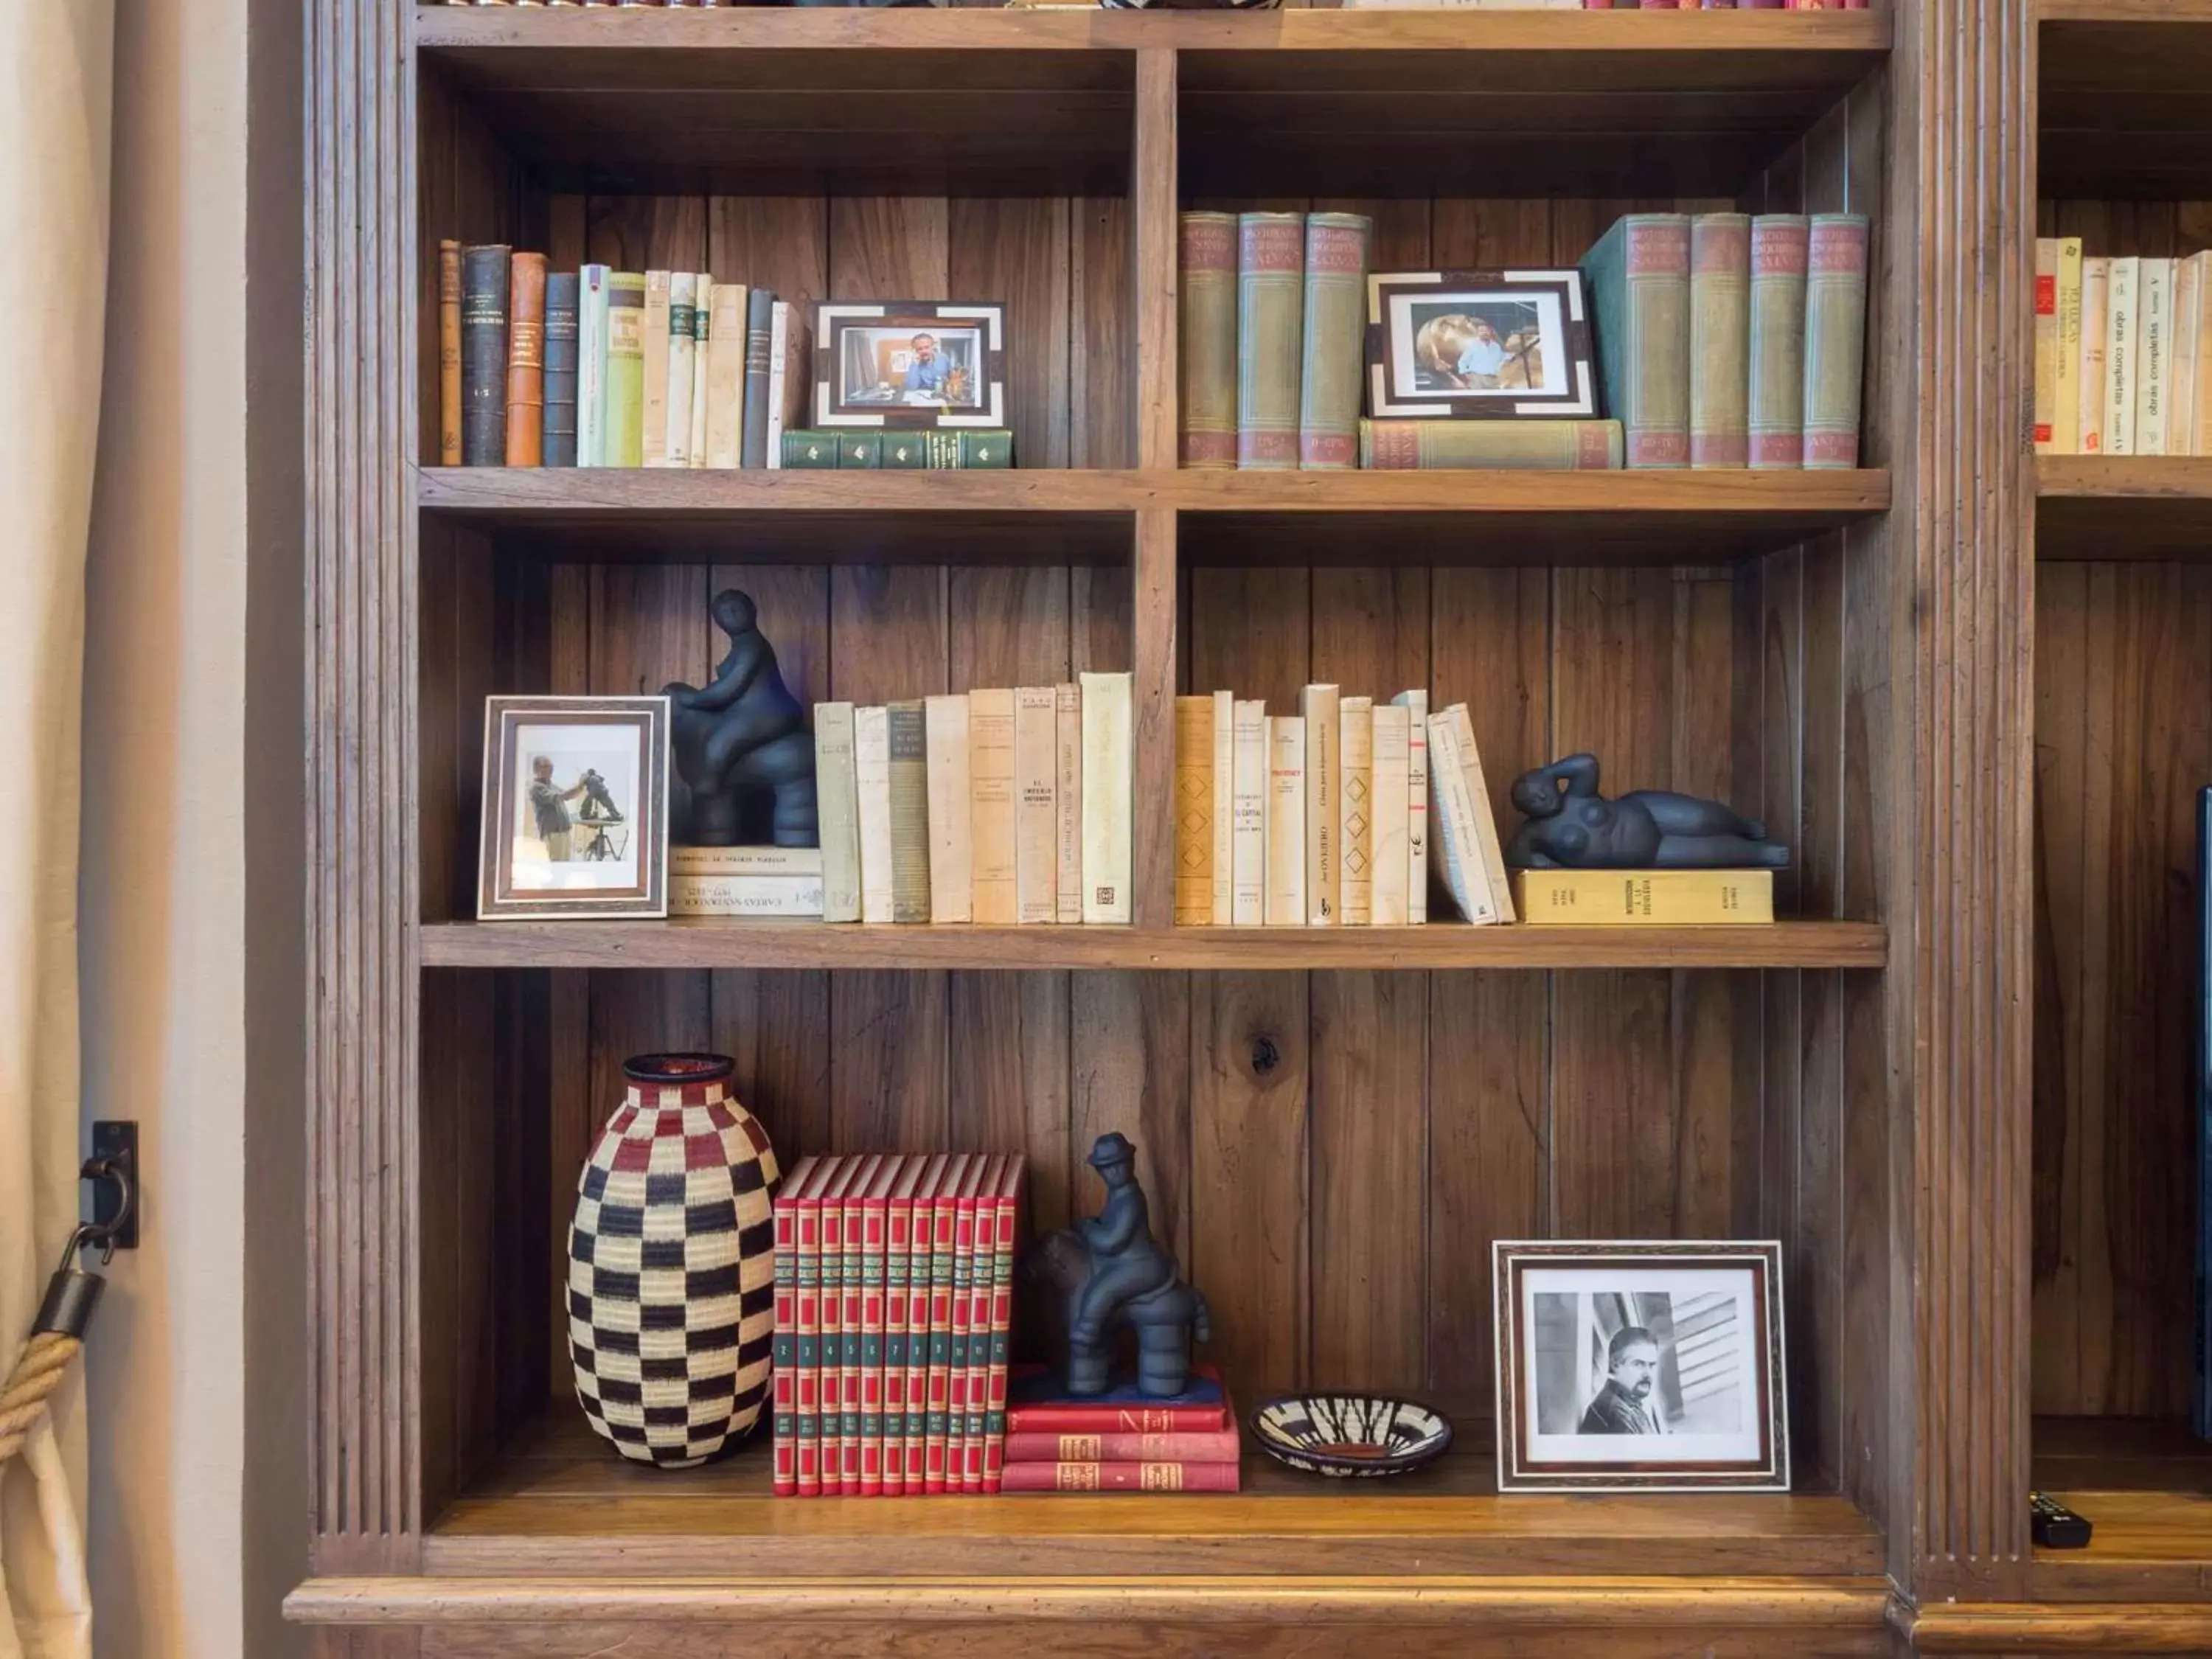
672	1267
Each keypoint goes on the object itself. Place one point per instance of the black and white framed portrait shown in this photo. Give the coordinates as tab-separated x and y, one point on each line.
909	363
575	808
1480	344
1640	1366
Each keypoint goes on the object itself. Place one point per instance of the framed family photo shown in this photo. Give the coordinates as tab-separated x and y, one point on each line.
1634	1366
908	364
1478	344
575	808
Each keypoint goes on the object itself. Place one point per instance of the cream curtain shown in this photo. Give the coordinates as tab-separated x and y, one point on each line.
55	71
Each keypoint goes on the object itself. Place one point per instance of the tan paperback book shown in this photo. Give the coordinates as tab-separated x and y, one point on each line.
909	814
745	861
2066	412
1067	803
951	813
1109	757
1465	876
2154	349
837	806
2200	430
1488	846
657	293
2046	344
1248	811
2181	373
991	808
1287	822
1194	811
1036	757
2096	293
702	324
1355	811
682	357
1317	707
745	895
1391	731
871	808
726	375
2122	333
1421	833
1224	787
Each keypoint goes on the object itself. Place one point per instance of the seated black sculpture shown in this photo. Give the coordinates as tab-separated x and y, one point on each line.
1569	826
1109	1272
741	742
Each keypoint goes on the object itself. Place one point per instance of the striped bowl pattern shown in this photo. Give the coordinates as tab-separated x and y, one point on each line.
1306	1431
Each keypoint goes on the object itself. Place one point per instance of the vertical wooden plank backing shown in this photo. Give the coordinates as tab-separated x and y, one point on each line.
1017	251
1249	1055
1153	204
574	1111
1101	386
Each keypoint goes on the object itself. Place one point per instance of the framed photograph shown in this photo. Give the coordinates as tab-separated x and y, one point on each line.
1478	344
1646	1367
575	808
910	363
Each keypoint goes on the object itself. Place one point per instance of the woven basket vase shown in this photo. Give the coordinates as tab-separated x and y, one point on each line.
671	1266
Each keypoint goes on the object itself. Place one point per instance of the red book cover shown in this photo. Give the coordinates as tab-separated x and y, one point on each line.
807	1385
898	1263
1035	1405
915	1429
875	1231
831	1392
784	1350
1009	1208
957	1437
944	1208
982	1275
1120	1477
851	1266
1220	1446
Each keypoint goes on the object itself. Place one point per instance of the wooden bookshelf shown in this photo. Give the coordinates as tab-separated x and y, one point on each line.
2123	507
1334	1125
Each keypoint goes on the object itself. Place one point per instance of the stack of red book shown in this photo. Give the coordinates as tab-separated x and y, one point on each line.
1119	1441
894	1298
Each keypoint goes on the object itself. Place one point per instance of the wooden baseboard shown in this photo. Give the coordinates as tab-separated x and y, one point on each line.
2045	1627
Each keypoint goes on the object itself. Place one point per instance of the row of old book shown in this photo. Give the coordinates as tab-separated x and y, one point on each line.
602	368
1730	340
1341	814
894	1301
2122	353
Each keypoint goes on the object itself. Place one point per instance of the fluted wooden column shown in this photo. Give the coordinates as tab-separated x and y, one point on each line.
1962	128
360	433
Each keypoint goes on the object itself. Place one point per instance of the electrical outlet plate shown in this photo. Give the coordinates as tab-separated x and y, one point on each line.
118	1137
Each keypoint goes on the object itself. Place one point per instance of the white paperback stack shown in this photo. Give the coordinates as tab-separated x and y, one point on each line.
745	881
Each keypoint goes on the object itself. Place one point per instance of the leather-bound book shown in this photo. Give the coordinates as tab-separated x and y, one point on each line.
525	361
1777	412
1270	315
760	329
449	354
1411	446
1720	340
561	299
483	355
1638	275
1207	366
1835	337
625	395
1334	340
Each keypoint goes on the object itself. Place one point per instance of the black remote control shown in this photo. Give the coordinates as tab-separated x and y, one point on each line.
2054	1526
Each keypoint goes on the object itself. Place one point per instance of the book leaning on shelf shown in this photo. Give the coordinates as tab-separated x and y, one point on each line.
1000	806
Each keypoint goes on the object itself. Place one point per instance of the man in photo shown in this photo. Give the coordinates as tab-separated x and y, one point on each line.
551	803
929	372
1628	1402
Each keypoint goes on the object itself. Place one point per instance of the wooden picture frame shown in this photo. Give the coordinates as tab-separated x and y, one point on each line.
603	765
1640	1366
861	349
1458	345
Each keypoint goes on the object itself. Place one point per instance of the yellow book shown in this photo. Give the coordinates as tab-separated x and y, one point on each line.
726	375
991	806
951	821
1194	811
2046	344
1224	807
2066	412
1658	899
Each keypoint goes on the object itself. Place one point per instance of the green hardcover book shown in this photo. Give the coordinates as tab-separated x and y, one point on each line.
1446	445
625	387
1776	409
986	448
909	770
1333	342
1835	337
1720	340
902	450
1638	276
860	451
809	451
1271	257
1206	364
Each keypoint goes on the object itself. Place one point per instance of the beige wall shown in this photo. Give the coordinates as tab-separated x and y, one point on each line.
192	1448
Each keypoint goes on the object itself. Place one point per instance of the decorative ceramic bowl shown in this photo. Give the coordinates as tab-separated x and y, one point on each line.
1351	1436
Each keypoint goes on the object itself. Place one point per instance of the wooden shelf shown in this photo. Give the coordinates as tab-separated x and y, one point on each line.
1390	103
2146	1485
2101	506
1076	516
715	943
2120	109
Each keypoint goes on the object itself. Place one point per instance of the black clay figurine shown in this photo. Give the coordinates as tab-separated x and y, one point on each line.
1569	826
742	742
1112	1273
